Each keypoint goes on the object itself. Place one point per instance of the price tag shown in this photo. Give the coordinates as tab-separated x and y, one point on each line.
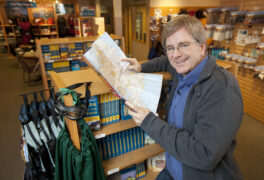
98	136
69	59
50	61
79	58
112	171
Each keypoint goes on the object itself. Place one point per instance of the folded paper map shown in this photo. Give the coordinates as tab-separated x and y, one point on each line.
141	89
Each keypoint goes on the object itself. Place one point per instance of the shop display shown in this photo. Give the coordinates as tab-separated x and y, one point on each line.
107	138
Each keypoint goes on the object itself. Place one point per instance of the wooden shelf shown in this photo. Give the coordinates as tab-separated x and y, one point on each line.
8	25
43	25
150	175
115	164
72	77
115	127
58	60
45	34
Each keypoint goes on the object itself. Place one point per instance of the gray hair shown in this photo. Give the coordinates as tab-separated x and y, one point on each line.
192	25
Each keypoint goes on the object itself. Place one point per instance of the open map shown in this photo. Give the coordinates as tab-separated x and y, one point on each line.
141	89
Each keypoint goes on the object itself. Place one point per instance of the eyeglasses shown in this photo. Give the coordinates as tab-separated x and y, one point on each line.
181	47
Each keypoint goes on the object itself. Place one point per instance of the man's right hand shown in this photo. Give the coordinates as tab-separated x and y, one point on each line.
134	65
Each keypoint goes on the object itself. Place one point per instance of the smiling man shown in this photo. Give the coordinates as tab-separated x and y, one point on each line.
204	109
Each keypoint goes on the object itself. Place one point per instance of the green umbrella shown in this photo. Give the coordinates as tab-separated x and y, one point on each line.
70	162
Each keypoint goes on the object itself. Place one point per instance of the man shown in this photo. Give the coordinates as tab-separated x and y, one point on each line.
204	108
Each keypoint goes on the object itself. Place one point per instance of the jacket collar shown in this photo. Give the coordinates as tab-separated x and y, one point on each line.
208	68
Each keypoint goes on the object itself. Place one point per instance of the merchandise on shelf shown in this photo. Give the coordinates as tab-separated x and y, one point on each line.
209	30
92	117
156	163
245	62
219	33
64	51
213	16
109	108
121	142
75	65
124	111
137	171
254	17
225	14
237	17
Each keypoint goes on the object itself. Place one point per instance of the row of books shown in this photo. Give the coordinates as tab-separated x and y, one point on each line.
64	66
120	143
137	171
105	109
109	106
65	51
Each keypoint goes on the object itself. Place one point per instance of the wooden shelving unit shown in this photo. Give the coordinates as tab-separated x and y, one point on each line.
9	32
59	41
62	80
51	30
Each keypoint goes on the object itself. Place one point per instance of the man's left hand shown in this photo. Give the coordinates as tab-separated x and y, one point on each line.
138	113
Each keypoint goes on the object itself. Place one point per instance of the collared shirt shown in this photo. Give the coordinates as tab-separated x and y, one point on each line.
177	110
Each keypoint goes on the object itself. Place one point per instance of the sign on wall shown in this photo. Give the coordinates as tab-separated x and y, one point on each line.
21	4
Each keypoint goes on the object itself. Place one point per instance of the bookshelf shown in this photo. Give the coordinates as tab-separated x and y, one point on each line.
55	60
115	164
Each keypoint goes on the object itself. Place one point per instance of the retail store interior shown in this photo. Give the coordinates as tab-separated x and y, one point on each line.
39	38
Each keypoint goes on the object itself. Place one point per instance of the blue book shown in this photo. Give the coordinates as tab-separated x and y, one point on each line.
79	49
125	141
101	143
121	136
115	144
128	141
110	141
132	139
119	144
46	52
107	147
135	137
124	111
140	137
128	173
